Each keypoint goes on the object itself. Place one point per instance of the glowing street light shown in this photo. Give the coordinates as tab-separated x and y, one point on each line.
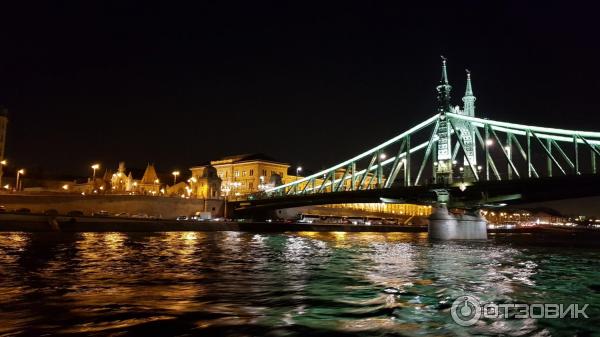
175	174
489	142
382	156
19	174
298	170
3	162
94	168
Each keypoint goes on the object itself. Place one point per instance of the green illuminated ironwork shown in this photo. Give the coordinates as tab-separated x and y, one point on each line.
558	148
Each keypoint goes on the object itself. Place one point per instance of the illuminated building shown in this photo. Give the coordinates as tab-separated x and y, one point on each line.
149	184
247	173
205	182
120	181
395	209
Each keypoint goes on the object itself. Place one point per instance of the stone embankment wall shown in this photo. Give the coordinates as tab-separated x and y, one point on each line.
165	207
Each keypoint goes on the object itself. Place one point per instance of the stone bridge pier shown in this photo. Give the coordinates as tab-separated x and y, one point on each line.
444	225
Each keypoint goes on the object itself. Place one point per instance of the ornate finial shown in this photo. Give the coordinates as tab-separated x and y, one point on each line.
444	79
444	89
469	89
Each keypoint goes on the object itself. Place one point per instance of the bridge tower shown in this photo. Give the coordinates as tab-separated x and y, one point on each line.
443	170
469	99
467	131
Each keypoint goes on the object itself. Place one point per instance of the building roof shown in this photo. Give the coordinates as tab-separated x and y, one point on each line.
149	175
244	158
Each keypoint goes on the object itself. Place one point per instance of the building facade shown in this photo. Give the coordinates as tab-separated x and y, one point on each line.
205	182
247	173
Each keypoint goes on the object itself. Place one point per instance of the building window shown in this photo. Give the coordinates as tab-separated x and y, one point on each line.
243	173
251	173
264	173
236	173
250	185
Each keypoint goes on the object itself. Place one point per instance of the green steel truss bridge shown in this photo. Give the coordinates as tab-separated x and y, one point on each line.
453	150
513	146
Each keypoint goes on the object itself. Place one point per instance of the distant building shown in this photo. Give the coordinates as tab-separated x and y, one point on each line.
122	182
246	173
119	181
149	184
205	182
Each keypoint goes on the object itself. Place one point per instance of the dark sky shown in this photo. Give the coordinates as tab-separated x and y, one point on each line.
307	83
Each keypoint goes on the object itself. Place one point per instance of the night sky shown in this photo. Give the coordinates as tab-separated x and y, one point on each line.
307	83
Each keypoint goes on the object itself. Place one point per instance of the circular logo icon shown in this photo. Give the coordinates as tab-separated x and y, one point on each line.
466	310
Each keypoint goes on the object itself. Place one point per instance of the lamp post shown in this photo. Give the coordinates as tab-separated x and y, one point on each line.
94	168
298	170
2	164
18	182
175	174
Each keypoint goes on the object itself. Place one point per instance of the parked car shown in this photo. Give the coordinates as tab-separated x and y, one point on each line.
140	215
101	213
124	214
50	212
182	218
75	213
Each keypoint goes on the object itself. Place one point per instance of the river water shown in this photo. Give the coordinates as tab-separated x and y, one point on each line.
290	284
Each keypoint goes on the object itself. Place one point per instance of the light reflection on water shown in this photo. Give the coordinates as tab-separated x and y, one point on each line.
305	283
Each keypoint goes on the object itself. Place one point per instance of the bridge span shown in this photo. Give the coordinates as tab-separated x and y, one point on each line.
452	159
459	195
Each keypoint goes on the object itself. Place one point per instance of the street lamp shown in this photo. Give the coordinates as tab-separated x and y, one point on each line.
489	142
94	168
175	174
19	174
298	170
2	163
382	156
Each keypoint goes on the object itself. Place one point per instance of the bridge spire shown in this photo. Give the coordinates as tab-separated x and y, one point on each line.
469	98
444	90
444	144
